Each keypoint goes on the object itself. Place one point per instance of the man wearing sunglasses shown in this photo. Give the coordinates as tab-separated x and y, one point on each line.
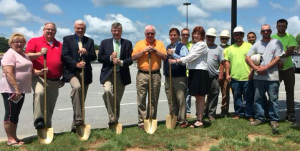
286	72
140	53
214	59
237	73
266	77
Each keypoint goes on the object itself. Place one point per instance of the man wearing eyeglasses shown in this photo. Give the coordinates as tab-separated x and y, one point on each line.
224	84
185	35
54	73
266	77
140	53
214	59
237	73
286	72
114	51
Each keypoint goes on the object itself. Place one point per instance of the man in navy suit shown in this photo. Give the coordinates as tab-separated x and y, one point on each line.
114	51
78	52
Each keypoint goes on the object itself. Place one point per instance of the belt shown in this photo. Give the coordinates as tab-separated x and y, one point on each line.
53	79
147	72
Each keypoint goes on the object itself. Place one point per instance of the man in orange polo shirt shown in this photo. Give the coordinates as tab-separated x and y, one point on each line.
140	53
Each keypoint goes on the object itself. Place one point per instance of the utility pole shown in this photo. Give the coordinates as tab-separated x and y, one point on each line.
233	18
187	13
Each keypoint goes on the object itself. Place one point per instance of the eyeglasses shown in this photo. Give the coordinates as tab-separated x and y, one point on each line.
50	29
237	34
224	38
210	37
17	42
148	34
185	34
267	30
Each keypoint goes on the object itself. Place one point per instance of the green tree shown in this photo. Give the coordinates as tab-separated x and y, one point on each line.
298	39
96	47
3	44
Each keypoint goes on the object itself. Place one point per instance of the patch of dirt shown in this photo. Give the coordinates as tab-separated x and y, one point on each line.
96	144
136	149
252	137
205	146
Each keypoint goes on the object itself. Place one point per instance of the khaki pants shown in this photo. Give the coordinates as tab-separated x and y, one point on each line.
76	96
225	87
108	96
142	85
177	105
38	98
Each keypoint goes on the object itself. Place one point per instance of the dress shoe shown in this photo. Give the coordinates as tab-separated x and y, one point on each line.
78	123
39	125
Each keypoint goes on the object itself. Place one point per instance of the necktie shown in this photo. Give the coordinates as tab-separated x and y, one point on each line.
79	43
117	50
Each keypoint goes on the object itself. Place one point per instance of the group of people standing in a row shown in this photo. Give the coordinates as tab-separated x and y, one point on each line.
199	66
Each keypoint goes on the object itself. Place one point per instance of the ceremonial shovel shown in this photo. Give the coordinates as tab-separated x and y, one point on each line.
150	125
83	131
45	135
171	119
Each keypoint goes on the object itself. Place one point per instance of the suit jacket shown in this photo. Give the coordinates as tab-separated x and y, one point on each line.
105	50
71	57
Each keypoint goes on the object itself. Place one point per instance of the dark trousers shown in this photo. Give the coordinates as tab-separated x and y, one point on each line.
288	77
12	110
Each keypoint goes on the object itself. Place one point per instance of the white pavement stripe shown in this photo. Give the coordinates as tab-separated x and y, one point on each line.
92	107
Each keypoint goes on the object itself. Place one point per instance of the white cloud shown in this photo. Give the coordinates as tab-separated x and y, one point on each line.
277	6
13	10
52	8
62	32
297	6
218	5
137	4
99	29
261	20
294	24
193	11
8	23
25	32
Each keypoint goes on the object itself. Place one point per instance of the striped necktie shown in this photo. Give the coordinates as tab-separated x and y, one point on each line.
117	50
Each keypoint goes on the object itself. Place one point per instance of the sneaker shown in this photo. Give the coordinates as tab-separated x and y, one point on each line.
235	117
274	125
255	122
290	118
211	118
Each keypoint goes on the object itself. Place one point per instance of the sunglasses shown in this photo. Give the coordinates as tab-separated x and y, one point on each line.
267	30
224	38
210	37
150	34
237	34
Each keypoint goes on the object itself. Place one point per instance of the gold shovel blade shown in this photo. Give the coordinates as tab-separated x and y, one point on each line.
171	121
83	131
116	127
45	135
150	126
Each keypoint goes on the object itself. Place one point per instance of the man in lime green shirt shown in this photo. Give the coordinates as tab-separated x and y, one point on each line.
237	73
286	72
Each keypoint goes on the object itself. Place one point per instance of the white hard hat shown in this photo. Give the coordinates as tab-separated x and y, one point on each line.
238	29
225	33
256	59
211	32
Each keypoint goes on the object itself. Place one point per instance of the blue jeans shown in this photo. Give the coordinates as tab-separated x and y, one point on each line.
243	92
272	88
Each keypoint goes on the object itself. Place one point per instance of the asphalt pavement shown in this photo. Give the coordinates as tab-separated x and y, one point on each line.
96	114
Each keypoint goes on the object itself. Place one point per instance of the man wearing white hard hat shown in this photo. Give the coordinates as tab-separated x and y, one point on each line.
237	73
266	77
214	59
224	84
286	72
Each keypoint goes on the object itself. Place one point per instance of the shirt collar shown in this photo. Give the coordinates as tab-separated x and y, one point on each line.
115	41
175	44
77	38
147	44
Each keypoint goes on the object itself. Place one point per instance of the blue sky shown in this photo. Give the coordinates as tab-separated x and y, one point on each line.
28	16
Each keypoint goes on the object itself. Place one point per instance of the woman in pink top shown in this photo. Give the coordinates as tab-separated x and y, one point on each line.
15	82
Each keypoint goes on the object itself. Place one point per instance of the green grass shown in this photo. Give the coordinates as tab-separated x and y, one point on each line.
223	134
